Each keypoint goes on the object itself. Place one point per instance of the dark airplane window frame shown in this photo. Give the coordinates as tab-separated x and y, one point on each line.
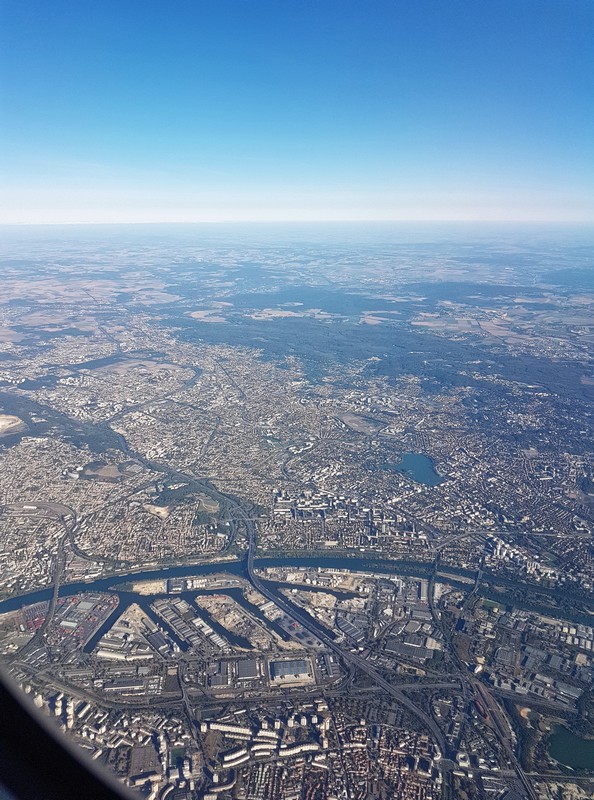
38	763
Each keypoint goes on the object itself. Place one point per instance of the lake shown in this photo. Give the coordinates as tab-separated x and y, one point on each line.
418	467
571	750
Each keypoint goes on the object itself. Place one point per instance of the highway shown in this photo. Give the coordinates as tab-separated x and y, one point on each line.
477	689
346	655
67	518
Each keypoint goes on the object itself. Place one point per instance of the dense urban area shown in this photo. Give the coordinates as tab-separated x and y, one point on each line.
304	514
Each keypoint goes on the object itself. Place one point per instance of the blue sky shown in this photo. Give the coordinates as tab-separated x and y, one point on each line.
207	110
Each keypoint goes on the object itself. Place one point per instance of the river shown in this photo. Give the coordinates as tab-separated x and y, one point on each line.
368	564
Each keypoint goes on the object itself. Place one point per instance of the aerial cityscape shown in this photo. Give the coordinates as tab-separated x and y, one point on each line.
300	519
297	400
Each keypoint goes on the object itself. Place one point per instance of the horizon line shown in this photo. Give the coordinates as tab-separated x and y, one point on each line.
317	221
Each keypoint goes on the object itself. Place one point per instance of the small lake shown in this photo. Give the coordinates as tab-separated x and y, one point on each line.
571	750
418	467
